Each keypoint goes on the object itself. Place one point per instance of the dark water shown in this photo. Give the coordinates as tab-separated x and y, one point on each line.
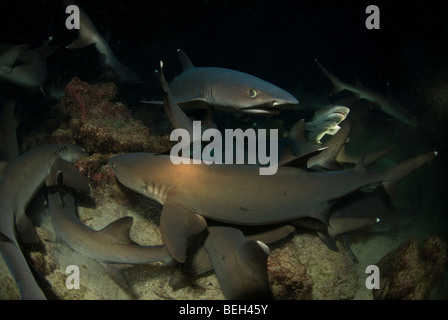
276	41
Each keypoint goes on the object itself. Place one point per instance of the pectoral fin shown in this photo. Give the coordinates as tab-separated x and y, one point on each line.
177	224
25	229
328	241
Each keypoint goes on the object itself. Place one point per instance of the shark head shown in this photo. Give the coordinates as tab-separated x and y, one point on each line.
325	121
331	114
70	152
242	92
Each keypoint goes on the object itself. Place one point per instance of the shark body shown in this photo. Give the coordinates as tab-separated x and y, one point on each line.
237	194
240	264
385	104
325	120
225	90
30	72
19	182
88	35
111	246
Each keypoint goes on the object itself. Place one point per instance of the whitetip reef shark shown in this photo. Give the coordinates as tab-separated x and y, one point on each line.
225	90
111	246
237	194
88	35
240	264
199	264
387	105
19	182
325	120
24	67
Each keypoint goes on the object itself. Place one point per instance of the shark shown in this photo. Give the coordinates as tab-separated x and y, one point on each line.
199	263
19	182
23	67
325	120
225	90
88	35
111	246
237	194
387	105
240	264
334	155
9	146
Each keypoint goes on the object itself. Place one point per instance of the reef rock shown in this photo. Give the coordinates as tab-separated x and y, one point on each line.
413	270
304	268
88	115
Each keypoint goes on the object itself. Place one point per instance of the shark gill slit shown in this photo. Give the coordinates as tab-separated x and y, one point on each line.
157	191
61	152
208	92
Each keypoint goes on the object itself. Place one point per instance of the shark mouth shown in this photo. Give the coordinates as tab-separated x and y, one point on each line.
260	110
338	115
269	108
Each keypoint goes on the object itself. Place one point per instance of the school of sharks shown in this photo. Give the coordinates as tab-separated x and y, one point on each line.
317	184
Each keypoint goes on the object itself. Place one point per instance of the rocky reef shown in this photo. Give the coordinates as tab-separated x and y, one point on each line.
413	270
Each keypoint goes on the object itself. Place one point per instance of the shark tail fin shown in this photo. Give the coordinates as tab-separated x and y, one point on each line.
8	59
87	33
338	85
401	170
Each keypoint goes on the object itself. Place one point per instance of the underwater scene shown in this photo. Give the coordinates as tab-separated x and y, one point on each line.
223	150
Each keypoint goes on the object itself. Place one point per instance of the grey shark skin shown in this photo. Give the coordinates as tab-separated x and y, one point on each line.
325	121
386	105
89	35
30	74
240	264
19	182
9	146
225	90
200	262
338	225
237	194
110	245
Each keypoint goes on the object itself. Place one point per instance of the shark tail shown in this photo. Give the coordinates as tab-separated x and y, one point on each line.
18	266
401	170
87	33
338	85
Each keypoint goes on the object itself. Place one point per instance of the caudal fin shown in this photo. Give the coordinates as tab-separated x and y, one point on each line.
338	85
401	170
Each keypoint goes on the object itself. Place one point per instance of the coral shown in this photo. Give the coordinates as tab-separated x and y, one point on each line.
306	269
288	283
87	115
413	270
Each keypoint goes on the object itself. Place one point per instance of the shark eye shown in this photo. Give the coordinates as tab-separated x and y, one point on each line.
252	93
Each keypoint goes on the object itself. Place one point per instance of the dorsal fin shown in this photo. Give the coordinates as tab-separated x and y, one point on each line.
118	231
184	60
